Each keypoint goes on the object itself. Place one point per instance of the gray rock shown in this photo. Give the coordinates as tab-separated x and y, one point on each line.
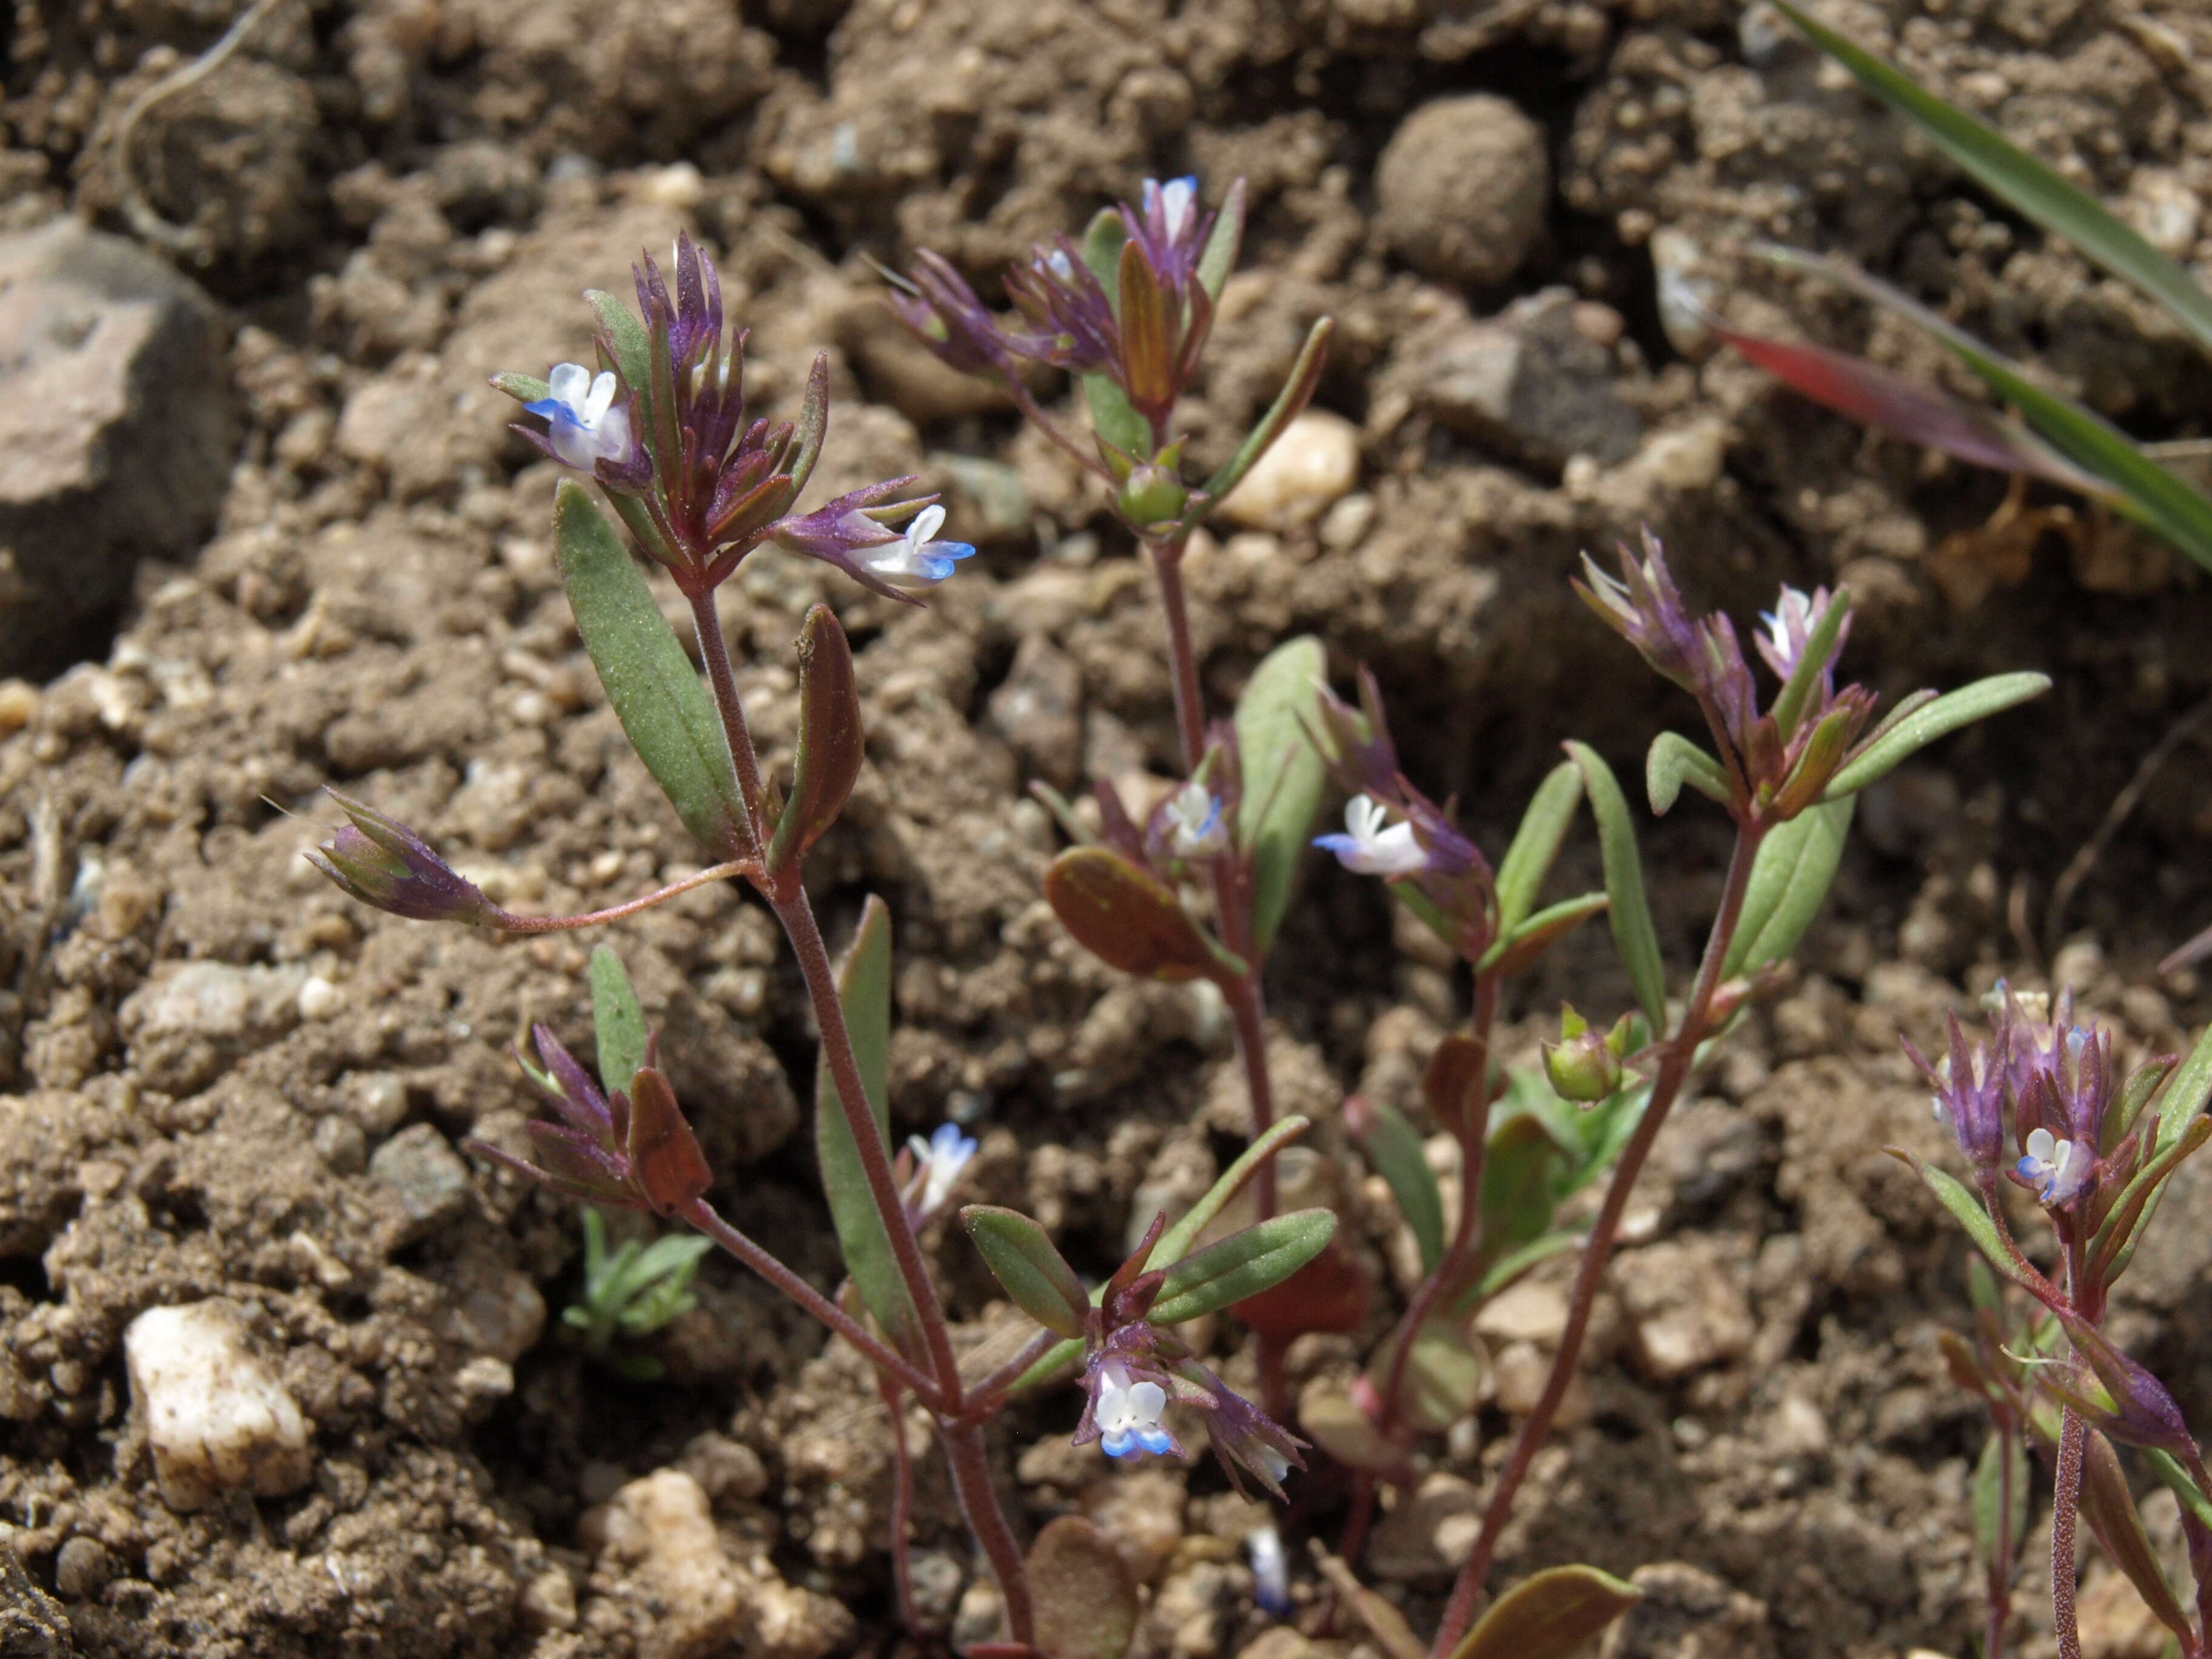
116	431
189	1021
1039	711
1534	380
427	1178
1462	187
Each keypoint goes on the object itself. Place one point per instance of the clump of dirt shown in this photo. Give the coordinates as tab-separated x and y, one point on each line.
228	1083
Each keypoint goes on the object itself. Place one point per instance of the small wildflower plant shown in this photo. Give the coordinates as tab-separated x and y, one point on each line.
1195	889
659	430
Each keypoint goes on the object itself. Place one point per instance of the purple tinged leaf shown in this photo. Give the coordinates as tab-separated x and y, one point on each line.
1550	1615
1086	1598
1873	396
381	862
1127	917
831	744
1028	1268
665	1164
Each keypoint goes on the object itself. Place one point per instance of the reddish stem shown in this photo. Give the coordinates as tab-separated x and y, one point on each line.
1673	1070
1182	656
513	924
979	1503
714	651
1998	1593
2064	1503
902	1512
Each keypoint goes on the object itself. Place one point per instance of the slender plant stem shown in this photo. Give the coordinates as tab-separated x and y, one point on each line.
1182	656
1473	1136
793	909
704	1217
988	1392
1250	1013
1998	1593
714	651
2064	1503
1667	1086
979	1503
902	1511
513	924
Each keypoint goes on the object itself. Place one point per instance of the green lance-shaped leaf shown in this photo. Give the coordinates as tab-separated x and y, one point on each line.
1222	242
1633	934
1518	949
1130	919
1298	391
1284	772
1511	1266
830	742
1549	1615
617	1021
2183	1100
1085	1597
2110	1509
1393	1147
864	990
1027	1267
1789	879
1966	1207
1537	843
2124	1227
1931	721
1674	760
2005	170
1114	419
1103	239
1175	1243
664	709
1243	1264
633	349
1384	1623
2172	1470
1989	1493
1522	1166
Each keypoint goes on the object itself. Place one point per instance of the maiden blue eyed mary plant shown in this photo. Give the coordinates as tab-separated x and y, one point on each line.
662	430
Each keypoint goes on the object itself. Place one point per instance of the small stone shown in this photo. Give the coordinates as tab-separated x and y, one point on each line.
188	1022
1529	380
1685	1309
1314	463
82	1567
216	1418
1687	1613
427	1177
661	1529
1427	1535
319	999
1345	525
1038	710
1141	1513
117	431
377	1101
495	1311
728	1471
481	1384
1525	1312
19	705
547	1602
340	1144
1462	187
791	1622
1519	1376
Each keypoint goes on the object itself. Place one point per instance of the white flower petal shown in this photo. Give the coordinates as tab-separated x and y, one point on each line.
570	384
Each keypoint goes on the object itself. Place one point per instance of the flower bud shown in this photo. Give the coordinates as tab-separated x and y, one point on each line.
1582	1065
1152	495
381	862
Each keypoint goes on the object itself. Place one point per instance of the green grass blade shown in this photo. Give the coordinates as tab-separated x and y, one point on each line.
2003	168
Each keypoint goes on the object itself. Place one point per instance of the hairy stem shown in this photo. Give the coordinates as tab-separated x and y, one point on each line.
987	1392
714	651
902	1512
513	924
2064	1503
1182	656
979	1503
793	909
704	1217
1667	1086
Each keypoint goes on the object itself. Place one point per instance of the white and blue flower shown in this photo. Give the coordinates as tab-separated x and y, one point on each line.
1127	1413
917	561
938	1164
1195	830
1371	845
585	425
2058	1169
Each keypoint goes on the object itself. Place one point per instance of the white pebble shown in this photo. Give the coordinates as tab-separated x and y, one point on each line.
319	999
1315	464
216	1418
